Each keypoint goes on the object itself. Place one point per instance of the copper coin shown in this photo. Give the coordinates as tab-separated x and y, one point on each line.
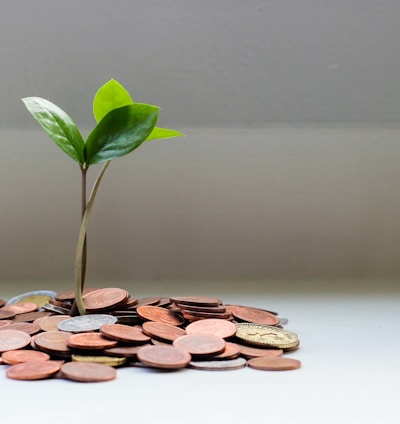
104	299
85	323
27	327
21	307
255	352
217	327
88	372
13	339
225	365
162	331
211	309
255	315
30	316
150	300
159	314
90	341
5	323
50	323
170	357
69	295
197	300
200	344
34	370
13	357
195	316
53	342
6	313
274	364
126	351
124	333
131	303
231	351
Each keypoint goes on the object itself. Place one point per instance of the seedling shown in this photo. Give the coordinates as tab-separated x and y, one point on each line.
122	126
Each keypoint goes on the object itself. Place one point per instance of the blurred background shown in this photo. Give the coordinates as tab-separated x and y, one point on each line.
288	176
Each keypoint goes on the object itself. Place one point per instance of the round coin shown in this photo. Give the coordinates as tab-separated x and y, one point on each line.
231	351
6	313
27	327
266	335
105	299
196	300
40	297
162	331
52	342
85	323
159	314
200	344
111	361
225	365
87	372
125	351
169	357
274	364
21	307
255	315
69	295
50	323
13	339
34	370
90	341
13	357
124	333
255	352
217	327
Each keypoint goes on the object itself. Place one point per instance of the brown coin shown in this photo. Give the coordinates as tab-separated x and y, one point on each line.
225	365
13	357
53	342
27	327
200	344
258	316
255	352
5	323
124	333
217	327
34	370
274	364
211	309
162	331
30	316
131	303
195	316
231	351
105	299
69	295
6	313
13	339
160	342
196	300
125	351
90	341
21	307
150	300
88	372
170	357
50	323
159	314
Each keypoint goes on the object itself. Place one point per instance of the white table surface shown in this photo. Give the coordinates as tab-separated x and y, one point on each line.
350	373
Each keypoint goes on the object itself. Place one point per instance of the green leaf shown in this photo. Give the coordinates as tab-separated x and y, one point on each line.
111	95
120	131
159	133
58	125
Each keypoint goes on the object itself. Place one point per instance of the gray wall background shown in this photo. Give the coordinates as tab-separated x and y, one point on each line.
290	164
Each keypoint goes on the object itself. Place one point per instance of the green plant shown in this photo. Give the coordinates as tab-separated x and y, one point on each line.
122	126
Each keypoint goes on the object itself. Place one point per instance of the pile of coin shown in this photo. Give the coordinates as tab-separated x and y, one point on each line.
40	339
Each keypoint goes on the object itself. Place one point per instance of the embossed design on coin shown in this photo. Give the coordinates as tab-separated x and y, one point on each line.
266	335
13	339
87	372
217	327
170	357
274	364
255	315
105	299
34	370
84	323
225	365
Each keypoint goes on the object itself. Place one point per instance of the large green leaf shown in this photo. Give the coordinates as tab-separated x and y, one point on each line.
111	95
58	125
120	131
159	133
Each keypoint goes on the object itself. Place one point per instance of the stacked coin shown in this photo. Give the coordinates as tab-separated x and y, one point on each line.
42	340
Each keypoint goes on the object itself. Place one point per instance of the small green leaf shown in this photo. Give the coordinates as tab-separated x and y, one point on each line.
159	133
58	125
111	95
120	131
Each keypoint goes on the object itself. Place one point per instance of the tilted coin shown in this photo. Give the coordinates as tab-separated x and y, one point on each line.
162	331
255	315
159	314
197	300
217	327
30	316
200	344
52	342
225	365
34	370
40	297
231	351
87	372
105	299
84	323
274	364
13	339
50	323
124	333
5	323
111	361
69	295
5	314
169	357
123	351
27	327
13	357
90	341
21	307
265	335
56	309
249	352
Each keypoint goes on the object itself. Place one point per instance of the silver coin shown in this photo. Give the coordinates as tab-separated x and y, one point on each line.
56	309
84	323
229	364
21	297
283	321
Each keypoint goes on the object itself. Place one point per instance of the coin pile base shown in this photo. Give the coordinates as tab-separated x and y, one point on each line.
40	340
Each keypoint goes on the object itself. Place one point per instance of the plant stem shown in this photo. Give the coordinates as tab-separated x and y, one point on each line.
80	261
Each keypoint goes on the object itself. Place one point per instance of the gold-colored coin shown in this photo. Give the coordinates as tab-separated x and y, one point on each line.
106	360
40	300
266	335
